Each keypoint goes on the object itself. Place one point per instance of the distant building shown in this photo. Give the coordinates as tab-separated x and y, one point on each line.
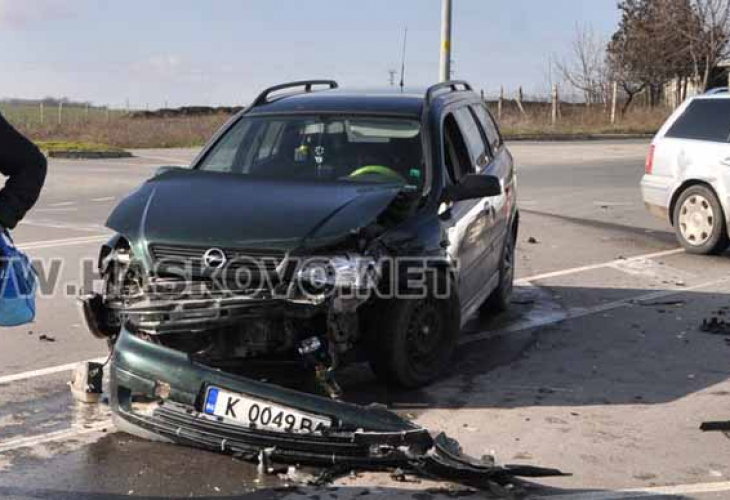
721	76
679	89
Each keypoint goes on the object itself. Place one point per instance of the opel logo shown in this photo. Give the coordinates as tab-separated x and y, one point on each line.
215	258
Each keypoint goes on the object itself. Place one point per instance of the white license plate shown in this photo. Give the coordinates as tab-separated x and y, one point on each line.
260	414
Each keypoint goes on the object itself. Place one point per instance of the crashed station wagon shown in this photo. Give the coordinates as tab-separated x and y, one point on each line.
318	227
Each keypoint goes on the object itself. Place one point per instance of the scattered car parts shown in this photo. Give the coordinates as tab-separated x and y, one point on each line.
359	437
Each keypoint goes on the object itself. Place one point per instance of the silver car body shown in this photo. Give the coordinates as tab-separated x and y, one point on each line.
680	163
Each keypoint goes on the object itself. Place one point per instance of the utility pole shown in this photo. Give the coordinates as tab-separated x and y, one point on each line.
403	60
614	102
445	66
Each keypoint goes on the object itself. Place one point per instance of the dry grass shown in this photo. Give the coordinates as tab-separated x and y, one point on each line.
578	121
122	131
131	132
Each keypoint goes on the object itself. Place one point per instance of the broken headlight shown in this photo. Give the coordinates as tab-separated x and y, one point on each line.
354	272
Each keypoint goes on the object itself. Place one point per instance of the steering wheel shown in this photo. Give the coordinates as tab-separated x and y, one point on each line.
380	170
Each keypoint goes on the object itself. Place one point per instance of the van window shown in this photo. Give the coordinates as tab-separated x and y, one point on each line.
704	120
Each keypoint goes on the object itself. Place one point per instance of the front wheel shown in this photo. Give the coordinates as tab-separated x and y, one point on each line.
414	341
699	221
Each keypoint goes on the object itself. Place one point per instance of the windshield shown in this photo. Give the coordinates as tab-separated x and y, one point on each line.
356	149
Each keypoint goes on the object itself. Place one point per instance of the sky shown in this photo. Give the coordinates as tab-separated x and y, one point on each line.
223	52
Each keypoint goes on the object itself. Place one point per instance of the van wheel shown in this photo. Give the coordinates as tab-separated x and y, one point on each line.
500	299
699	221
414	341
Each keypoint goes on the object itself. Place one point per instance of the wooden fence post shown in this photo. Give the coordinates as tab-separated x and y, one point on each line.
519	102
556	104
60	113
614	102
500	104
42	114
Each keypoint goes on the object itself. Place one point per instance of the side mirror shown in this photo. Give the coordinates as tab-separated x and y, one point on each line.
165	169
473	186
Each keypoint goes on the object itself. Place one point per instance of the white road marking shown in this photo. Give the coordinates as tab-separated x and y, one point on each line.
60	225
174	162
30	441
657	491
62	204
592	267
35	245
106	198
74	209
580	312
7	379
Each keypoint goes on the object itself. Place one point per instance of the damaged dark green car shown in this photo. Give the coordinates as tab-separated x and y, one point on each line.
318	228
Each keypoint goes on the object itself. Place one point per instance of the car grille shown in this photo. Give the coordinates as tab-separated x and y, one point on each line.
178	257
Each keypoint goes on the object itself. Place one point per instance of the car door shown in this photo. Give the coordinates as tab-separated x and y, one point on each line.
502	167
470	220
695	147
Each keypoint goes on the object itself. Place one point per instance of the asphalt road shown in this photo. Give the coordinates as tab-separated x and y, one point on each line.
599	369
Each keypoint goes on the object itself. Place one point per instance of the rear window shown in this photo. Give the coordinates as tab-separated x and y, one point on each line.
704	120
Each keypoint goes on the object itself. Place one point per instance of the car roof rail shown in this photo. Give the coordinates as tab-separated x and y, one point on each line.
453	85
719	90
263	97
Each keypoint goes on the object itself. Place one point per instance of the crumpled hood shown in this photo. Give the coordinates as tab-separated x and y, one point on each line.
190	207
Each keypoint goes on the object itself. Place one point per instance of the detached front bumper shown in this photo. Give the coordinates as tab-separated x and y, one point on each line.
368	438
359	435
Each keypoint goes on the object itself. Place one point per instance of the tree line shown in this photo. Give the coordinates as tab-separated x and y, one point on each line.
655	43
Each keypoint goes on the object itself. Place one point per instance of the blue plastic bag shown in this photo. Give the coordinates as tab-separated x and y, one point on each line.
18	285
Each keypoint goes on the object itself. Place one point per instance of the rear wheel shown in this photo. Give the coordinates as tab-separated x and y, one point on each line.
699	221
501	298
414	340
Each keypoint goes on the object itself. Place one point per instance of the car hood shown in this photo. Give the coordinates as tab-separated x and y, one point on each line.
191	207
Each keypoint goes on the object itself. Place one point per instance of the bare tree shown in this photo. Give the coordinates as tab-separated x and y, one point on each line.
586	69
649	48
708	37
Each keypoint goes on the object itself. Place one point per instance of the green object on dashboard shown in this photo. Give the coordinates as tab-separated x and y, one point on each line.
379	170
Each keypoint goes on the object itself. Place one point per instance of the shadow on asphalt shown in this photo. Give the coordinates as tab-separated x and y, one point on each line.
342	493
638	354
667	237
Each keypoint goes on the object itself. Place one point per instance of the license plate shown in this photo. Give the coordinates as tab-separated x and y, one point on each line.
252	412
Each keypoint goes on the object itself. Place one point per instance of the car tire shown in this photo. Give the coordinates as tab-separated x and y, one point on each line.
699	221
501	298
413	340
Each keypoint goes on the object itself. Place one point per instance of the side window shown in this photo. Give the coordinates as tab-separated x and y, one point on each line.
479	153
489	126
456	154
704	120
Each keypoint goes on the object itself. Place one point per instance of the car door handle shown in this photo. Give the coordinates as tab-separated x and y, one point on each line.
487	208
